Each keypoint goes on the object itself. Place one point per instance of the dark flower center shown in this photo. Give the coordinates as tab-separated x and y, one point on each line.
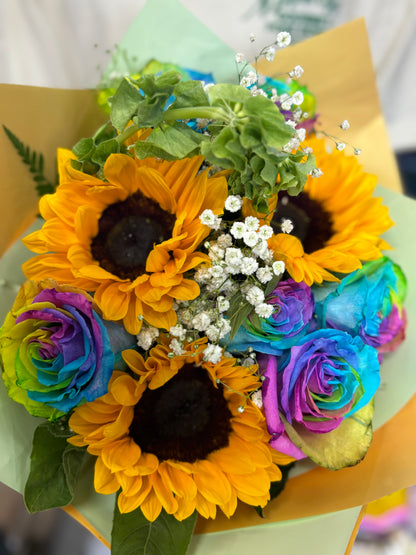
184	420
127	232
312	224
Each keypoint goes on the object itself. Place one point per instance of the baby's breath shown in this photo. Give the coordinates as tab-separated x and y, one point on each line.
283	39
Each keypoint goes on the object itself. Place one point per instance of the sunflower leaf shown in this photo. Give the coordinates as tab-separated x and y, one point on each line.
54	469
133	533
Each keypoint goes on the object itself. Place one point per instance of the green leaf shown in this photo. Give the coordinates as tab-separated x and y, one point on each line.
157	89
238	312
276	133
271	286
54	469
174	142
104	133
188	94
227	95
84	148
251	135
103	151
339	448
225	150
163	84
124	104
132	533
85	166
34	161
293	174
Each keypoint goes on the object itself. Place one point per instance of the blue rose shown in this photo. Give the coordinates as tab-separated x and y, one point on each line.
367	303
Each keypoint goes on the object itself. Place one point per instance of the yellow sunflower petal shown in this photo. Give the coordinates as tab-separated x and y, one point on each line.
113	303
104	480
178	481
125	390
123	454
151	507
164	494
205	508
211	482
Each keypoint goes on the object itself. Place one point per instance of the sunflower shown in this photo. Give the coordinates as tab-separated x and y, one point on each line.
181	435
130	238
337	222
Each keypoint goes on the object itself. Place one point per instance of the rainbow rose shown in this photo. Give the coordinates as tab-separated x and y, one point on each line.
54	348
317	384
291	319
368	303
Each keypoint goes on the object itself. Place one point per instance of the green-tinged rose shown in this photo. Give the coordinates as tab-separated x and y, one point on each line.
54	349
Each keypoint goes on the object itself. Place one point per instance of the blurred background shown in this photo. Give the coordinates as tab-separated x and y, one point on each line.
68	44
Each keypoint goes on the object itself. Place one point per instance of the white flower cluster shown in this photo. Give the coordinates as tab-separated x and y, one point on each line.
250	79
240	259
147	336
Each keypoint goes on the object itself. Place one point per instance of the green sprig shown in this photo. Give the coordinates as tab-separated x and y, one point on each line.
34	160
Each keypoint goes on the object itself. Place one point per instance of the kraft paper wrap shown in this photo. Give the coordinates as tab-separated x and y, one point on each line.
338	70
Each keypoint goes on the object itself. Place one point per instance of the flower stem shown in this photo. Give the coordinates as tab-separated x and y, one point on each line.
128	132
206	112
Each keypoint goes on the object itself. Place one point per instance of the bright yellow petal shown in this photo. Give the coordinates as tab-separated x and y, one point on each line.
104	480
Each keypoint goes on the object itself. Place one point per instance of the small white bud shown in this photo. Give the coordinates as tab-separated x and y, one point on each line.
283	39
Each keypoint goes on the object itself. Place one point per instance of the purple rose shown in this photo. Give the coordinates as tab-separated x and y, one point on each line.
323	379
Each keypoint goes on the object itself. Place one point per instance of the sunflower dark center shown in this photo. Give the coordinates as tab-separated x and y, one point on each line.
185	420
127	232
312	224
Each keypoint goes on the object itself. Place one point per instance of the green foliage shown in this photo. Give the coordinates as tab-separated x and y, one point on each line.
173	142
35	162
239	309
54	468
246	134
132	533
92	152
271	286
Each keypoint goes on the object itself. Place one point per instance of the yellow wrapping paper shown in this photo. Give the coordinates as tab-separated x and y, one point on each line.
338	70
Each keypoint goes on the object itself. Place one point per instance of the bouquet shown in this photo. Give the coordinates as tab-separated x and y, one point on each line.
209	303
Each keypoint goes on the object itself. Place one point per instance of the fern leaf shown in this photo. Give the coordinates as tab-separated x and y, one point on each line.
34	160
